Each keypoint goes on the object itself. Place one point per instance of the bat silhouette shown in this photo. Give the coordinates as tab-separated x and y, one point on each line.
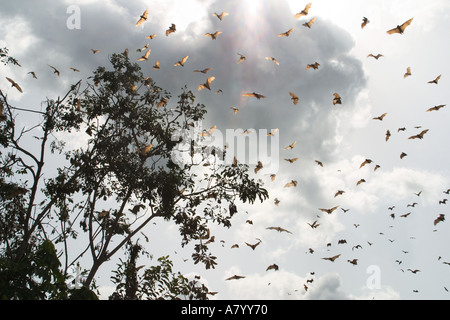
400	28
152	36
235	110
221	15
358	246
171	29
253	246
441	218
181	62
272	176
314	66
388	135
74	69
143	48
95	51
332	258
273	59
14	84
33	74
345	210
293	183
338	193
286	34
213	35
380	117
276	201
304	12
254	94
291	146
145	56
142	18
259	166
365	21
405	215
329	211
411	204
294	98
342	241
414	271
234	246
401	129
367	161
309	23
156	65
360	181
435	81
402	155
436	108
420	135
208	133
56	71
279	229
407	73
207	84
241	59
273	132
336	99
235	277
353	262
314	224
272	267
291	160
379	55
203	71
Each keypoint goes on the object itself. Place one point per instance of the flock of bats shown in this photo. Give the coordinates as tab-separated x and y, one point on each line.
399	29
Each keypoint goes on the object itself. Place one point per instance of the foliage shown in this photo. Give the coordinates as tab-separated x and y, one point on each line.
102	195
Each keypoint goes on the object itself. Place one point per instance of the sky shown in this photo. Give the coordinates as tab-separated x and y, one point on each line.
341	136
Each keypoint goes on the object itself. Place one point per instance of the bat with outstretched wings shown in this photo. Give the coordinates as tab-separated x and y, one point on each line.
332	258
294	98
142	18
419	135
364	22
213	35
314	66
181	62
436	80
286	34
329	211
171	29
221	15
366	161
380	117
292	183
336	99
253	94
439	219
272	267
235	277
400	28
207	84
304	12
291	146
14	84
279	229
436	108
377	56
145	56
309	23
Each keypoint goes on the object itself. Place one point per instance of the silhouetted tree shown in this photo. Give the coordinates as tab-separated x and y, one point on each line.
102	195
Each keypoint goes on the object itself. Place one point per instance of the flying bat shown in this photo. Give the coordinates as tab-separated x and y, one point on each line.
319	162
142	18
272	267
207	84
304	12
365	21
414	271
435	81
286	34
291	146
94	51
291	160
14	84
152	36
353	262
336	99
171	29
181	62
221	15
293	183
367	161
309	23
439	219
156	65
342	241
338	193
388	135
332	258
273	59
420	135
33	74
360	181
235	277
314	66
203	71
314	224
279	229
436	108
253	94
213	35
294	98
329	211
259	166
379	55
145	56
253	246
208	133
402	155
241	59
273	132
380	117
235	110
407	73
400	29
56	71
74	69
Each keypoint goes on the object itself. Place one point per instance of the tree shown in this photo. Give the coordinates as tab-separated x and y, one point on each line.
102	195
